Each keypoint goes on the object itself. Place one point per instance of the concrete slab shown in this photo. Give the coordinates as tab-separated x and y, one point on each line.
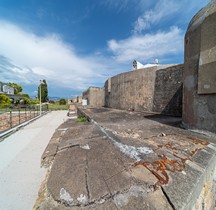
67	180
134	200
127	160
183	186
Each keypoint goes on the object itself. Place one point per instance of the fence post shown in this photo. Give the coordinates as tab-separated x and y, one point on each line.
19	116
11	119
25	115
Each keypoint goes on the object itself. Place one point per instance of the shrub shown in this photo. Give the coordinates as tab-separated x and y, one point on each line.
4	100
24	95
26	100
62	101
51	101
35	101
82	119
17	101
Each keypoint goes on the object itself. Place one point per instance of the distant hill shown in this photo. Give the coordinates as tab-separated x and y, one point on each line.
54	98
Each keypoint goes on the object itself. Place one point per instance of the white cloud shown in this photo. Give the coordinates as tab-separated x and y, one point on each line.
27	58
119	5
31	58
146	41
163	8
145	47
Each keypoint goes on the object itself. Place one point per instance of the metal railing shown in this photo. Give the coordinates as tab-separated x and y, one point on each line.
10	118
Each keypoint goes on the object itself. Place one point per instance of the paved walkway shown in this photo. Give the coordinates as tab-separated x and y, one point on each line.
20	154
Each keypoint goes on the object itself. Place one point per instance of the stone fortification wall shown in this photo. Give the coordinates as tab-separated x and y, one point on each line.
199	110
168	91
131	90
152	89
95	96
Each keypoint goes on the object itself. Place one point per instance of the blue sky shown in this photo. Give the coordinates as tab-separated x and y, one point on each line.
74	44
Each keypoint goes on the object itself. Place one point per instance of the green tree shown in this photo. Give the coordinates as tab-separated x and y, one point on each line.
35	101
17	88
62	101
25	95
26	100
4	100
44	91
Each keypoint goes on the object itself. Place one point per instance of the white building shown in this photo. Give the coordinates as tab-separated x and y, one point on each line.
6	89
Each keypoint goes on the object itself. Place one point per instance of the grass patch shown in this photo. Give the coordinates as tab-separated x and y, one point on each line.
82	119
56	106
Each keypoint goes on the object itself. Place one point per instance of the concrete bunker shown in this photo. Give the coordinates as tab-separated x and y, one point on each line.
199	110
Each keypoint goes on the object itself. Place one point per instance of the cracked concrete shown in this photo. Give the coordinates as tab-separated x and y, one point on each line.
125	160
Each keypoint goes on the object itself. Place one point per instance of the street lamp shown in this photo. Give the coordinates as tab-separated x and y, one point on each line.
41	82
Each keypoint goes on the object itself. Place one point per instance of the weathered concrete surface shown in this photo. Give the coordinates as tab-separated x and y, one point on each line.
95	96
127	160
154	89
199	110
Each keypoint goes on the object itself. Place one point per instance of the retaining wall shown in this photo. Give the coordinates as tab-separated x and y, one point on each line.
152	89
95	96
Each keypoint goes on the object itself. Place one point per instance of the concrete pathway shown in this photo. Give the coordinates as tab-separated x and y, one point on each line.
20	155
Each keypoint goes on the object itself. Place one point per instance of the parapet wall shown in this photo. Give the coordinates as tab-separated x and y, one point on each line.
95	96
152	89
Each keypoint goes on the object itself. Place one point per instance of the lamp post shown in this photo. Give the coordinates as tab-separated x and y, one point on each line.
41	82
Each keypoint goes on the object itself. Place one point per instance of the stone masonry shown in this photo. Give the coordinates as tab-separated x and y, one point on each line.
199	110
154	89
95	96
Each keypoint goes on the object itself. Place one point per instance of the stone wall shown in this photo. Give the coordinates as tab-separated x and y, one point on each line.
152	89
95	96
79	99
131	90
168	91
199	109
